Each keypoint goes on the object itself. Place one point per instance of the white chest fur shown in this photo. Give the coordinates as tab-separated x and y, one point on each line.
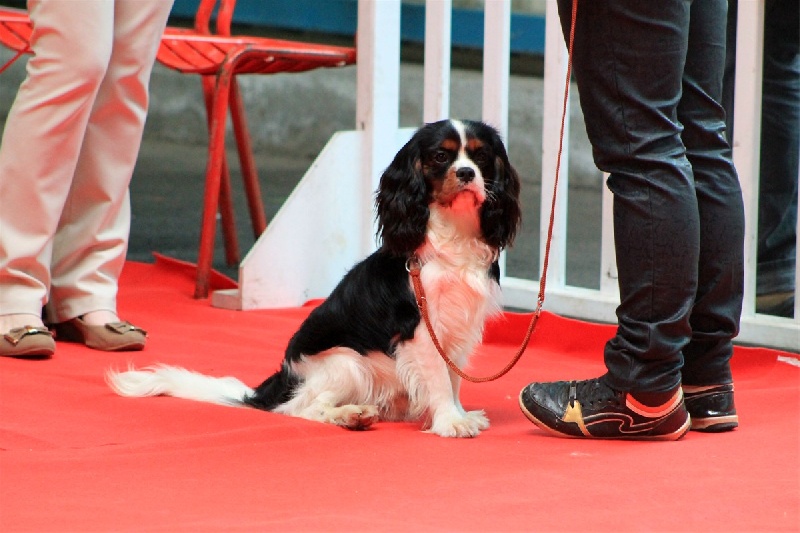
455	274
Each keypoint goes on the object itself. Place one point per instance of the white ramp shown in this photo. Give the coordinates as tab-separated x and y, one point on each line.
316	236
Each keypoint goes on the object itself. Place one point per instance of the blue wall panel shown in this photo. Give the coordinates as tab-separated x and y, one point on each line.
340	17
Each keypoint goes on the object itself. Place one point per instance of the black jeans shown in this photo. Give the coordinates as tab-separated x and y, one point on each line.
649	75
780	140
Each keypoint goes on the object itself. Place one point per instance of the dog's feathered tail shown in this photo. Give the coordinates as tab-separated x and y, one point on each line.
180	383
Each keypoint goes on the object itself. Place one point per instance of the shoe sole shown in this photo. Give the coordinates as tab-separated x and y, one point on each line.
716	424
130	347
675	435
33	350
72	332
705	400
34	353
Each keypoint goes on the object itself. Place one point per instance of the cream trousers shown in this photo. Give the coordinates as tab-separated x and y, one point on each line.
68	150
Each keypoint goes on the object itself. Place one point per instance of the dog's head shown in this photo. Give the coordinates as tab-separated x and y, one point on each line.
444	163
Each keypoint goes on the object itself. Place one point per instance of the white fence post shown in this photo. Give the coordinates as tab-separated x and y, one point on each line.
497	72
555	71
438	27
497	64
377	99
747	136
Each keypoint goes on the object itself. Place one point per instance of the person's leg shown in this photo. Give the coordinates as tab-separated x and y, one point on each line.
92	238
780	143
718	303
628	60
729	76
41	141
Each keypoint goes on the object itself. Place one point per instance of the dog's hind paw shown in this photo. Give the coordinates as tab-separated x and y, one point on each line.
468	424
357	417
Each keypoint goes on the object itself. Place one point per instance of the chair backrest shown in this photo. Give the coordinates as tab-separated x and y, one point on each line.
15	29
15	33
224	14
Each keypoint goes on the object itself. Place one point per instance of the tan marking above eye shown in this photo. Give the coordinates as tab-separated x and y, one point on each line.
474	144
450	144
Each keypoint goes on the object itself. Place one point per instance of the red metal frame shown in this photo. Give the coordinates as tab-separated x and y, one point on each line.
15	33
218	57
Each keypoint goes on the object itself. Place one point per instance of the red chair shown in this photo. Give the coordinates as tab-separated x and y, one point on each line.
218	57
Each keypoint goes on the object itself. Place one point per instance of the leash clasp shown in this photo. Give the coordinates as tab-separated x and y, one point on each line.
413	264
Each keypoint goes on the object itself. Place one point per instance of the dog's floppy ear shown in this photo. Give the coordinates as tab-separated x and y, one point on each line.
501	213
402	202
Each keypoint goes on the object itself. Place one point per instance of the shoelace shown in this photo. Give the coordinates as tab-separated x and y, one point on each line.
591	391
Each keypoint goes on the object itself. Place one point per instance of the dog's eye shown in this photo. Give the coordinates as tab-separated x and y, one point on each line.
441	157
480	157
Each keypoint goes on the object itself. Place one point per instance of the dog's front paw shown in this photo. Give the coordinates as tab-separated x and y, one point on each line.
355	416
480	419
467	424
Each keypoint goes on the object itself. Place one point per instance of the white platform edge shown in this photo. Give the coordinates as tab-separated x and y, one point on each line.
315	237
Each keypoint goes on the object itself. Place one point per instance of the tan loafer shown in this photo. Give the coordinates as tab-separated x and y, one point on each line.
111	337
35	342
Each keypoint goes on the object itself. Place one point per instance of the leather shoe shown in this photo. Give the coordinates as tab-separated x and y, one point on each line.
593	409
111	337
711	407
28	341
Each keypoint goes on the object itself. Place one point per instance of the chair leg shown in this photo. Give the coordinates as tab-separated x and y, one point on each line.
227	216
228	220
249	171
214	166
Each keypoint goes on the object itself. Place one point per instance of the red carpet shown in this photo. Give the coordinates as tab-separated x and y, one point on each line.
75	457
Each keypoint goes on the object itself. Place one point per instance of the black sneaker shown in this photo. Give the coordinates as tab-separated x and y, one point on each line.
711	407
592	409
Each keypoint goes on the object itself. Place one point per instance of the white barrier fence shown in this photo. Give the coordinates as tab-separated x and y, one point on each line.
330	214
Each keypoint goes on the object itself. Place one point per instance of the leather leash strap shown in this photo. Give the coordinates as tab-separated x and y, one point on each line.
414	267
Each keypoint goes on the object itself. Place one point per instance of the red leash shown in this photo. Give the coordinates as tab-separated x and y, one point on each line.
414	267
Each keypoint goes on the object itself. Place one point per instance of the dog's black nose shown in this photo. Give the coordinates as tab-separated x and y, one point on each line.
465	174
